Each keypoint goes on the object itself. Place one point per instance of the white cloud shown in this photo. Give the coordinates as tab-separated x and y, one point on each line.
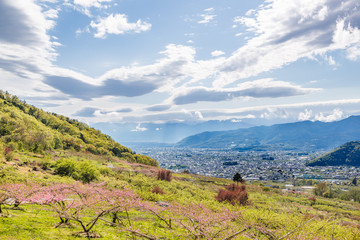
84	6
25	47
209	9
275	113
285	31
91	3
207	16
139	128
258	114
336	115
199	115
217	53
128	81
330	60
118	24
306	115
52	13
353	53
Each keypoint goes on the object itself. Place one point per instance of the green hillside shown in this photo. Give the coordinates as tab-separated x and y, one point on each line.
26	128
53	185
347	154
133	203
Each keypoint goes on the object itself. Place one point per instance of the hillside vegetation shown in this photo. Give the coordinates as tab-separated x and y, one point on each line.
130	201
26	128
52	187
347	154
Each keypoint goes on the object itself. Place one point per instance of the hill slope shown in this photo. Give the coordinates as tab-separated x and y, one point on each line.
347	154
25	127
41	196
186	201
299	135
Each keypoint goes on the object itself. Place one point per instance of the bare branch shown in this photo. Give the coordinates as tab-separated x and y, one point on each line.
300	226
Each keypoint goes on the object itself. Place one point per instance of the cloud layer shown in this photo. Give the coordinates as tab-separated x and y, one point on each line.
264	88
286	31
274	35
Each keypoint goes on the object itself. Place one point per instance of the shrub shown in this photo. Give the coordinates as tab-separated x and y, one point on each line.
45	164
146	160
157	190
65	167
312	200
86	172
322	190
128	157
233	194
9	154
164	175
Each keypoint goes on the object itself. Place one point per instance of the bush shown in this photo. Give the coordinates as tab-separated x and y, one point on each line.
86	172
157	190
321	190
164	175
45	164
9	154
312	200
65	167
146	160
233	194
128	157
83	171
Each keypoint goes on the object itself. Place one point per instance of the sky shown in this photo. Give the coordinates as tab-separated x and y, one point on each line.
159	61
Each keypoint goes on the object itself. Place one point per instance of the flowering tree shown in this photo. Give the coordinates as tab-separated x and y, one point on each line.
3	198
160	210
17	193
57	196
85	204
201	222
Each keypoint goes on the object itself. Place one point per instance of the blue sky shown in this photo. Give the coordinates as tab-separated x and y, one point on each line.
161	61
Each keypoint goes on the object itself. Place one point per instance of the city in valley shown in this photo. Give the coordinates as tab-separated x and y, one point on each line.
279	166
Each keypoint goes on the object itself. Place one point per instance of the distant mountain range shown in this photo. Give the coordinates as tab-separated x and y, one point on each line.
170	132
347	154
304	135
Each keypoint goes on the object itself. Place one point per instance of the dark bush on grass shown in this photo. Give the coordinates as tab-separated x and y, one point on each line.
158	190
233	194
164	175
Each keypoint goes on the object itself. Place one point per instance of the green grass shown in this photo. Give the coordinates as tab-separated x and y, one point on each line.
269	212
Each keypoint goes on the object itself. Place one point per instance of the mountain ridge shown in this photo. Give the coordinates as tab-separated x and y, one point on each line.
346	154
298	135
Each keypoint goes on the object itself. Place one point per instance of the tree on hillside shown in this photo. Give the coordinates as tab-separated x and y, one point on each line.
86	204
238	178
323	190
354	181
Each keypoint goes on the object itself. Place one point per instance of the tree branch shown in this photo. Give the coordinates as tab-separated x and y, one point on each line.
300	226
